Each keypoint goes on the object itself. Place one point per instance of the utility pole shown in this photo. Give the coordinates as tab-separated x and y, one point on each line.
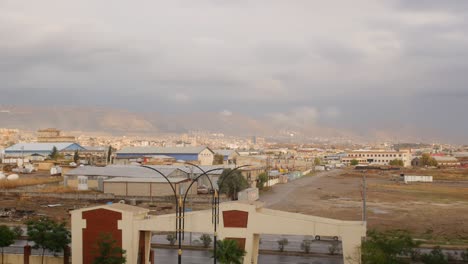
364	197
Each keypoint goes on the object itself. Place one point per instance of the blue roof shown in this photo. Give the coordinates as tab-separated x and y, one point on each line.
43	147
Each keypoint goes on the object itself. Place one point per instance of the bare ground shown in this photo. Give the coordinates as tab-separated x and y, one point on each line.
437	211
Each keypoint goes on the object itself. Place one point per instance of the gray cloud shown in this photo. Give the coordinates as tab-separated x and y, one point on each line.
366	62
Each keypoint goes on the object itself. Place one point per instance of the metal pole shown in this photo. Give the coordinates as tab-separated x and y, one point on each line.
364	197
180	230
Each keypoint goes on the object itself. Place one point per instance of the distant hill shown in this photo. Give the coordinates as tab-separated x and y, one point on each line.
126	122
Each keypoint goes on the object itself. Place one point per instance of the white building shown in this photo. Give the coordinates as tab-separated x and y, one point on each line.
377	157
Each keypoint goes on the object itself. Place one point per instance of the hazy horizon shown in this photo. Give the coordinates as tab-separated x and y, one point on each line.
392	65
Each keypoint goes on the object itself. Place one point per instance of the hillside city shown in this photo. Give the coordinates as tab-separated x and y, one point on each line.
49	172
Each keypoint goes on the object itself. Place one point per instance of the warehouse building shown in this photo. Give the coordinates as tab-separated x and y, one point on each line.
132	177
201	155
38	151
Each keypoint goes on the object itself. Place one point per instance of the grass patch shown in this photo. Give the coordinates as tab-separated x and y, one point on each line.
63	189
6	184
427	191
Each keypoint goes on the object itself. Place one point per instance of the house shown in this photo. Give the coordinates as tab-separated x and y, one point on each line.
201	155
229	155
38	151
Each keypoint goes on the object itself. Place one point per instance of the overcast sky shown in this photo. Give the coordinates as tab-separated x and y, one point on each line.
361	64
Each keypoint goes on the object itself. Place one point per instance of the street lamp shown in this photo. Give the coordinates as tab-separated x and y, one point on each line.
180	204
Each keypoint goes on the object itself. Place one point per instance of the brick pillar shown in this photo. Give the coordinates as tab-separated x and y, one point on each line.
151	257
27	253
66	255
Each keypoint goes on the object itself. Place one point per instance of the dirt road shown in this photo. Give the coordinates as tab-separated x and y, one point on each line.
281	193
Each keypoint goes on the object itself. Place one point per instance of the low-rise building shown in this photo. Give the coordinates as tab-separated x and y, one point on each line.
377	157
38	151
201	155
229	155
447	161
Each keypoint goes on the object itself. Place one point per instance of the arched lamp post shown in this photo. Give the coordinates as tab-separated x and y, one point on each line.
180	205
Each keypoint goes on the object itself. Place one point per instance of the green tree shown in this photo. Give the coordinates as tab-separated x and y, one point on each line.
436	256
396	162
48	235
18	230
206	240
282	243
54	154
354	162
232	182
387	247
109	154
218	159
262	179
108	252
76	156
427	160
7	237
229	252
317	161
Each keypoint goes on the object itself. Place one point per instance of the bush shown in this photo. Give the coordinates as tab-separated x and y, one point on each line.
387	247
464	256
206	239
171	238
435	257
354	162
281	243
305	245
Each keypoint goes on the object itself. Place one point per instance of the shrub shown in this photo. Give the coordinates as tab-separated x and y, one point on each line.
305	245
436	256
206	239
171	238
281	243
464	256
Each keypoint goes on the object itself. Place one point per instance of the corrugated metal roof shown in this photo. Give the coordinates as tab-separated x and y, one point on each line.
146	180
217	169
120	171
28	147
160	150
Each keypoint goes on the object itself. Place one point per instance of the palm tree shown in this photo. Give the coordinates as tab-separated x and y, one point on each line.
228	252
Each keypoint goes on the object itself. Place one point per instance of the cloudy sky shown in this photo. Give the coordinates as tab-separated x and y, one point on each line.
360	65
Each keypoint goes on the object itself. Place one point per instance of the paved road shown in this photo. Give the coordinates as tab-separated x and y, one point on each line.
169	256
268	242
280	192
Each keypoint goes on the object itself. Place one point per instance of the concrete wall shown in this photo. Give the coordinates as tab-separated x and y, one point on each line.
19	259
145	189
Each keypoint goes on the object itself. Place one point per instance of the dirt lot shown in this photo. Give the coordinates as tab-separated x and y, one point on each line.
435	211
17	208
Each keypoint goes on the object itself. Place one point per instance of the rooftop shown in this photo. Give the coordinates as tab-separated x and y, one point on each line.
161	150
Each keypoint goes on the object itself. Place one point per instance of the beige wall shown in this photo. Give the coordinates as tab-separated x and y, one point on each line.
206	157
145	189
19	259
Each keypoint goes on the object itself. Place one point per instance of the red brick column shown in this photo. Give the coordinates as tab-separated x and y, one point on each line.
151	256
27	253
66	255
